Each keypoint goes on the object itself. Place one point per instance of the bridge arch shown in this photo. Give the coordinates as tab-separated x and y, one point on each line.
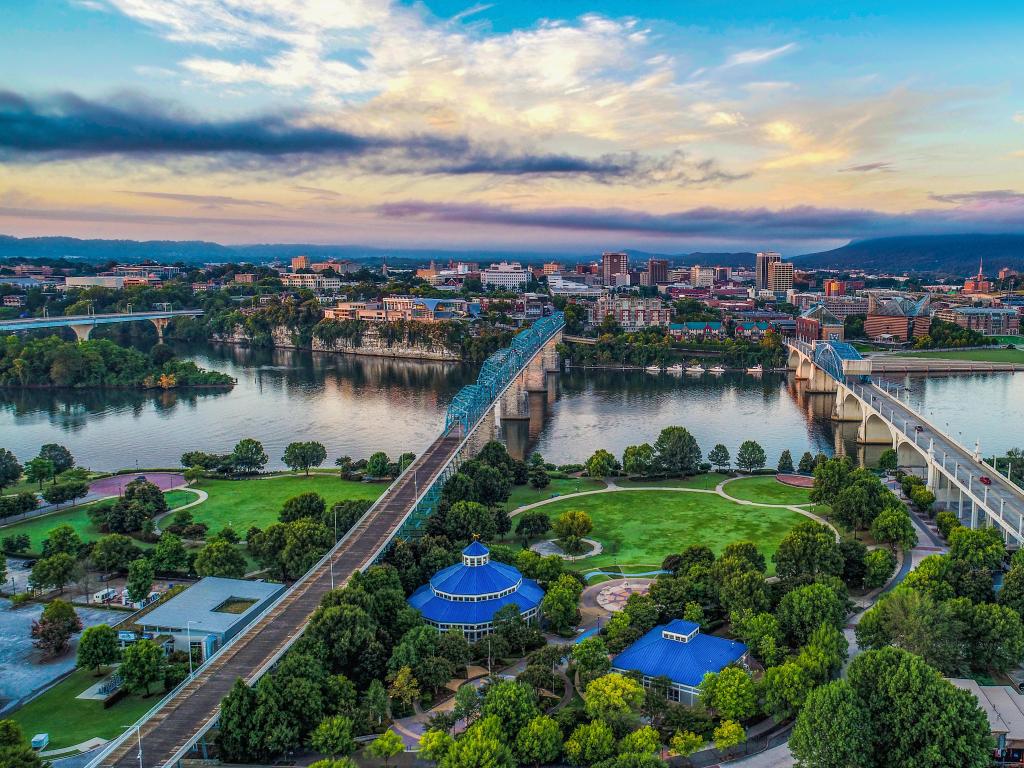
848	406
874	430
805	370
793	362
911	457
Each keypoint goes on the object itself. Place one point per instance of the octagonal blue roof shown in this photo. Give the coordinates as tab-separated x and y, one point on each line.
679	651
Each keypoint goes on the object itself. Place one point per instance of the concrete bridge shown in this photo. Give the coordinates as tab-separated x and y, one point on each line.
83	325
953	473
175	728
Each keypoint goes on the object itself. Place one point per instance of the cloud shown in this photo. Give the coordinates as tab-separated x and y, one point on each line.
1019	117
882	166
210	201
757	55
133	217
987	197
794	223
69	126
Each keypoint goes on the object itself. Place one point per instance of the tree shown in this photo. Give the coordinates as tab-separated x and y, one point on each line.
574	523
602	464
538	476
1012	592
830	477
676	452
922	499
531	524
140	579
53	572
728	735
510	624
169	554
10	469
831	729
220	558
809	550
685	743
591	657
888	460
642	741
806	465
15	751
59	455
785	466
482	746
785	689
97	647
435	744
762	635
720	457
879	565
804	609
302	456
63	538
638	459
893	527
55	627
334	736
114	553
248	456
729	693
590	743
615	699
385	746
377	465
309	505
142	664
512	703
404	686
854	562
750	456
996	637
540	742
241	736
559	607
59	493
38	470
467	519
978	548
375	700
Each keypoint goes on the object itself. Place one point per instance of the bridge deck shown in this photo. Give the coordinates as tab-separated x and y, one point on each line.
27	323
174	727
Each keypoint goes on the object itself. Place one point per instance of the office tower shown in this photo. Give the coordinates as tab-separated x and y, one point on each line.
764	258
780	276
613	264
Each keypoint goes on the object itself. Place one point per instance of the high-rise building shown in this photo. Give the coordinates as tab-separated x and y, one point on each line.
764	258
552	268
780	276
300	262
702	277
613	264
657	270
723	274
834	287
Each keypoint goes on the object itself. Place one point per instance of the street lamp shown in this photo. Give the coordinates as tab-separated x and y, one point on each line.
138	730
188	631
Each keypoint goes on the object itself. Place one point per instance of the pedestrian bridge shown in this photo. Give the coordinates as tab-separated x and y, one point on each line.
174	728
953	473
83	325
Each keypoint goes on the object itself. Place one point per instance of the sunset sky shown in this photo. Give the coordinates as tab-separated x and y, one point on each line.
568	125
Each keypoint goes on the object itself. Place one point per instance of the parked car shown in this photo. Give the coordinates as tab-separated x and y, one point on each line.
918	428
985	480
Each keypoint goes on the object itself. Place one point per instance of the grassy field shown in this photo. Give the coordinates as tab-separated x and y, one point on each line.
245	503
707	482
651	524
71	721
767	490
997	355
524	494
78	518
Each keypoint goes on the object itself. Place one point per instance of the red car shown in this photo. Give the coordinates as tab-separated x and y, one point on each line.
985	480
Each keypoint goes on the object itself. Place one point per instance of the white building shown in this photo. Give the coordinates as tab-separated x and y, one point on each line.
560	286
89	281
702	277
312	281
506	276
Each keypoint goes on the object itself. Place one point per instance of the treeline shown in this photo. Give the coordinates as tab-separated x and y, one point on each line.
942	335
654	346
53	362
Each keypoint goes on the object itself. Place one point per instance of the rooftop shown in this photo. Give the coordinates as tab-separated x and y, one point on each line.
199	604
679	651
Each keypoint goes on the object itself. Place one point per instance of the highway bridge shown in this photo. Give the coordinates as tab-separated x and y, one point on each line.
83	325
953	473
170	731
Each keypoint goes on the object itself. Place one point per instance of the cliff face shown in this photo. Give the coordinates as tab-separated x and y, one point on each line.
371	343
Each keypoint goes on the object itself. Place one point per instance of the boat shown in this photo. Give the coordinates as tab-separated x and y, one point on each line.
716	369
677	368
757	369
652	369
695	368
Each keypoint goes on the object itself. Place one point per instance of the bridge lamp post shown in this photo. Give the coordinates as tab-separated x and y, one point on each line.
138	731
188	631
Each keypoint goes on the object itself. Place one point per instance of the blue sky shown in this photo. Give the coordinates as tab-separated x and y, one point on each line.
575	125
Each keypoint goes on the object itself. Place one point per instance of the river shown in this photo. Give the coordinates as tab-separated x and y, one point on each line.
358	405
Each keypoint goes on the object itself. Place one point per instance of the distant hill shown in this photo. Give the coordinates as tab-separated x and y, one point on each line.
942	254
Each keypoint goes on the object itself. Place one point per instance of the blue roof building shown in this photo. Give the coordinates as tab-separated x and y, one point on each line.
680	652
465	596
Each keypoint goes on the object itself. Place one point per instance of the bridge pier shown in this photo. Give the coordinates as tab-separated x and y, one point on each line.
82	330
160	323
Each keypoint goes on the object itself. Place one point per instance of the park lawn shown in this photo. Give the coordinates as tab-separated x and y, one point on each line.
70	721
706	481
648	525
997	355
526	494
256	501
38	528
765	489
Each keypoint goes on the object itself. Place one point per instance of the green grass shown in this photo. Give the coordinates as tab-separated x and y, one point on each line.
707	481
1015	340
38	528
766	490
997	355
525	494
652	524
71	721
245	503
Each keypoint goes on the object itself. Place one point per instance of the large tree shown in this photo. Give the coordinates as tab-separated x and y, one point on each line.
750	456
806	608
98	647
303	456
676	452
310	505
53	572
539	742
10	469
59	455
140	579
53	631
220	558
720	457
602	464
730	693
638	459
114	553
808	551
832	730
248	456
142	665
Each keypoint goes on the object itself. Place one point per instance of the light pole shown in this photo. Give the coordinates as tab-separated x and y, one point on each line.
188	631
335	542
138	731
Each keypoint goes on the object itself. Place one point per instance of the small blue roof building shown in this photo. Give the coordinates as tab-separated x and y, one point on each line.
680	652
465	596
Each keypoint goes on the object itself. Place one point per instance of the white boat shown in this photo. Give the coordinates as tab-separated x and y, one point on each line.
652	369
698	368
716	369
677	368
756	369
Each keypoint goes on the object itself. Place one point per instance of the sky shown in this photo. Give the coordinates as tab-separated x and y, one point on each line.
576	126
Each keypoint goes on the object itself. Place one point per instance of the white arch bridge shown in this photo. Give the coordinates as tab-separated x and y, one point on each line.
953	473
